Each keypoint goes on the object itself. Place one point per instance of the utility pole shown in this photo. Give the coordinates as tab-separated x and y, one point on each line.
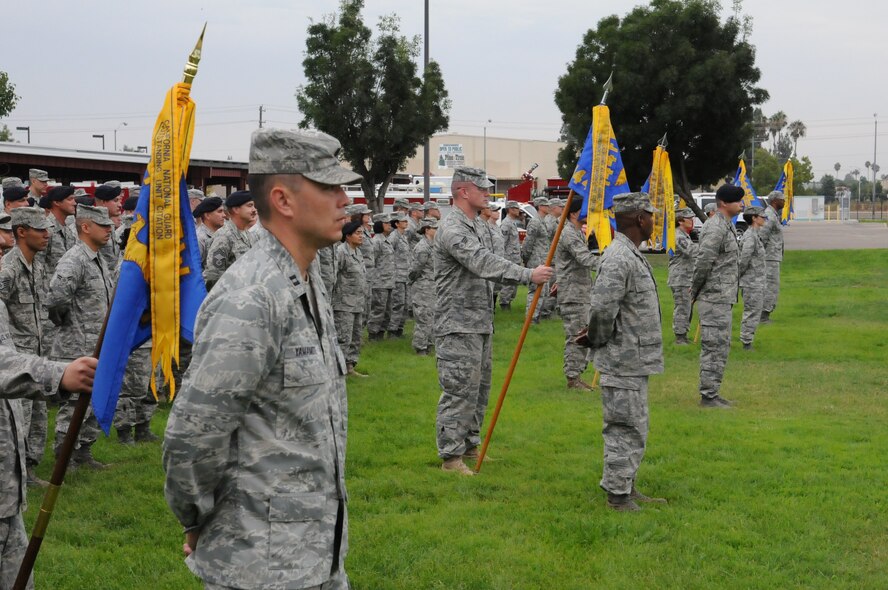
261	110
875	167
28	129
426	148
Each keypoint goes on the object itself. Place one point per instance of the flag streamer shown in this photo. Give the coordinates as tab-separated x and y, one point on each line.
784	185
661	191
742	180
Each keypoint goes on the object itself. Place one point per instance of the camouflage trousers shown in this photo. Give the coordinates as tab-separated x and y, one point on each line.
13	542
365	315
752	313
424	316
464	366
89	432
507	294
349	331
399	308
681	312
625	415
575	317
541	304
380	310
136	403
34	426
338	581
772	285
549	305
715	344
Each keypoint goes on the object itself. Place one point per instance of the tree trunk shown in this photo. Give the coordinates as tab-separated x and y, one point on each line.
684	190
370	195
383	188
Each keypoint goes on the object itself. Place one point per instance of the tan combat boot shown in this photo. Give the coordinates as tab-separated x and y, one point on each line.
456	464
577	383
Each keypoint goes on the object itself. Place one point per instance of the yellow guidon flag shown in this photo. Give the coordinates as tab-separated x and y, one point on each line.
787	189
661	191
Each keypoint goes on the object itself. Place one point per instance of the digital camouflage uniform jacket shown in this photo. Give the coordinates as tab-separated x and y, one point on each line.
536	243
351	283
752	260
254	451
78	298
574	263
463	269
21	288
228	244
512	245
681	265
716	267
383	276
772	235
624	322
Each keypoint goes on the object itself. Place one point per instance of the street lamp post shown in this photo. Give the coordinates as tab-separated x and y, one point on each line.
102	137
28	129
122	124
485	146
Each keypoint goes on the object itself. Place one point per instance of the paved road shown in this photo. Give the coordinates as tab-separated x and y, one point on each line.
833	235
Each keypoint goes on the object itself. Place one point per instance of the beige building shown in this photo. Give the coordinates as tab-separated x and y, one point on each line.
507	159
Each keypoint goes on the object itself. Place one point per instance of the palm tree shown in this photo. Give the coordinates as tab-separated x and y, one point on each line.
796	129
837	167
776	123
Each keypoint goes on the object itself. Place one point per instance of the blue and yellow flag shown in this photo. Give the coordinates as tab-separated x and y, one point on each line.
599	176
662	193
784	185
741	180
160	287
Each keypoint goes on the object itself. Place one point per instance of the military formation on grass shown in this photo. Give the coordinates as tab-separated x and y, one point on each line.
254	450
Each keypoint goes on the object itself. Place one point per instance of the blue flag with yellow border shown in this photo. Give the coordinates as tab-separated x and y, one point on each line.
785	186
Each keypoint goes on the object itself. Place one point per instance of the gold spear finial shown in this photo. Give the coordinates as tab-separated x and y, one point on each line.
194	59
662	143
742	155
608	86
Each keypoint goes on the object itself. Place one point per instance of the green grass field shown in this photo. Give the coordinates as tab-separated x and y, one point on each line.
785	491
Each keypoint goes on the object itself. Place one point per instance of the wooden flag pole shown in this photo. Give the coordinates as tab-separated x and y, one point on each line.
697	334
595	378
527	320
58	476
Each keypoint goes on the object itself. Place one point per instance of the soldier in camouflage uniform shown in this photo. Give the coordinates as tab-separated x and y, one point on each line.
772	238
348	294
464	269
625	337
22	283
232	240
431	210
512	247
15	196
7	241
108	196
534	251
556	206
254	451
714	288
402	256
574	264
327	266
362	214
211	213
752	274
422	283
24	376
127	217
78	299
382	280
681	272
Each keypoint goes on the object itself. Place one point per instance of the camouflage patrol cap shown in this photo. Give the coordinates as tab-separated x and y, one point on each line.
78	193
114	183
414	207
381	217
401	202
541	202
313	154
776	195
556	202
97	215
398	217
512	205
196	193
629	202
11	181
429	206
33	217
754	210
710	208
476	176
363	209
38	174
6	221
684	213
495	206
428	222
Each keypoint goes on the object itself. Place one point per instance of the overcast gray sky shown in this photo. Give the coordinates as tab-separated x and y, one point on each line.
87	67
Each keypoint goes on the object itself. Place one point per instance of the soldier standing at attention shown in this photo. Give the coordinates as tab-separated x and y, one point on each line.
512	248
681	272
402	256
108	196
534	250
38	183
212	217
348	294
15	196
464	268
714	288
254	451
625	336
27	376
22	284
752	274
362	214
232	240
574	264
556	206
7	241
422	279
78	299
431	210
382	281
772	237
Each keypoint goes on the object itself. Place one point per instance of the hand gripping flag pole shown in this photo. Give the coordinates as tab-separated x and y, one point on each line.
83	402
608	86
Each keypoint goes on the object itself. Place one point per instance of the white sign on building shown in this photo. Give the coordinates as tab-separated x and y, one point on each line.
450	155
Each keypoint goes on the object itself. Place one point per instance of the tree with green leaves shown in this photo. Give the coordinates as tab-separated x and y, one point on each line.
768	169
678	69
796	130
366	92
8	97
828	187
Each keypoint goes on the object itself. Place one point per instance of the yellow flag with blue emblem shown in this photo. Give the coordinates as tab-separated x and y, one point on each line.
784	185
661	191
